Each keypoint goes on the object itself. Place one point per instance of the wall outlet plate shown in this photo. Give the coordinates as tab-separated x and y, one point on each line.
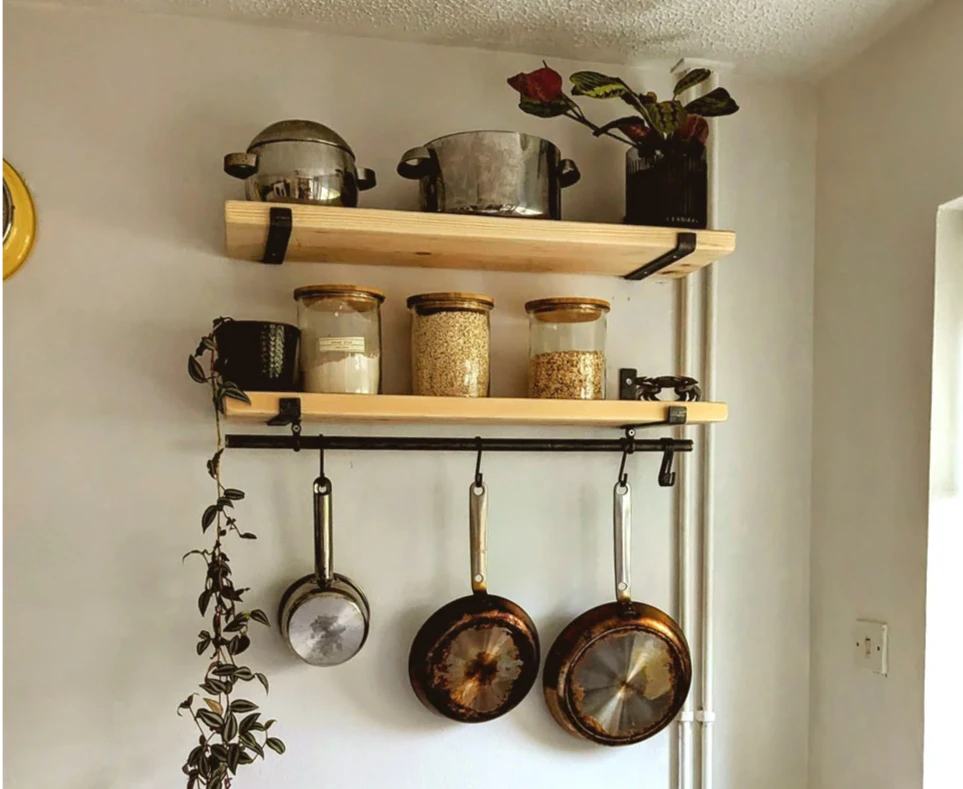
871	646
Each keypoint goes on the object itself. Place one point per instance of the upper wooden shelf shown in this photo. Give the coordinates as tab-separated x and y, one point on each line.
406	238
410	409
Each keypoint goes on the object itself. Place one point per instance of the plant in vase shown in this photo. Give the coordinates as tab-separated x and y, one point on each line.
665	170
229	726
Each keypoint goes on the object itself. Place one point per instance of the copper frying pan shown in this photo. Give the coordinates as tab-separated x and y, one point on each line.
477	657
619	673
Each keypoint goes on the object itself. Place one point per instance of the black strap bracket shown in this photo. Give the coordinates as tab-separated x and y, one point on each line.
289	413
279	233
685	245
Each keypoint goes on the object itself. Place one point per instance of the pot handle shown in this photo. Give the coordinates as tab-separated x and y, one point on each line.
240	165
366	179
568	174
622	516
478	527
414	163
323	545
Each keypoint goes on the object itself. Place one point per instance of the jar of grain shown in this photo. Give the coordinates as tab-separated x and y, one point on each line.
340	338
566	348
450	344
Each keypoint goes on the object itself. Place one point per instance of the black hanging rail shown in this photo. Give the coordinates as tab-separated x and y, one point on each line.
418	444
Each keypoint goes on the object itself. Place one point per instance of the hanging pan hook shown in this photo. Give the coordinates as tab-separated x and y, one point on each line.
321	456
628	447
479	482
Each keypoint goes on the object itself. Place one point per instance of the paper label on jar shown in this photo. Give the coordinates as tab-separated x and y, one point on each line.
341	344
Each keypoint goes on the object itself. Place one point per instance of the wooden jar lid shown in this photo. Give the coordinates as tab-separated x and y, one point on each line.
435	302
567	309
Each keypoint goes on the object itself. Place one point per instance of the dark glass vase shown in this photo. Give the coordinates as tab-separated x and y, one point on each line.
258	356
667	187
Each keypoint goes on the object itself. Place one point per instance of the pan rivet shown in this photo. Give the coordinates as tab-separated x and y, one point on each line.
623	586
479	578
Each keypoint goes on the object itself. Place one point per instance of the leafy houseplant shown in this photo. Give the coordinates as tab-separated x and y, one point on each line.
229	726
666	170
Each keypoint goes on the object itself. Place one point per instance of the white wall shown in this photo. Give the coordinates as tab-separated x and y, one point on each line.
943	695
889	155
119	124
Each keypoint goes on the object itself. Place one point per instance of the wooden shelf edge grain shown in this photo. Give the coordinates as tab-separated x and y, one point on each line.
409	409
408	238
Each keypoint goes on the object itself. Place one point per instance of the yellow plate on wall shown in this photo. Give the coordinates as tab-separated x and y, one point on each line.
19	220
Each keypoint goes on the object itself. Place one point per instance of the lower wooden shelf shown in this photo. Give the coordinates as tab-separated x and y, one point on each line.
409	409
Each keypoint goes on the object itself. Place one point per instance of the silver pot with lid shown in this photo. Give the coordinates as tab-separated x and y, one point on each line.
298	161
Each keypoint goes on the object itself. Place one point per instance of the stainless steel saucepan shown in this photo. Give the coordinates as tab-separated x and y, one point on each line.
300	161
324	616
494	173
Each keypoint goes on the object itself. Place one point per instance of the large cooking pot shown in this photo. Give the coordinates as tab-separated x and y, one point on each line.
496	173
300	162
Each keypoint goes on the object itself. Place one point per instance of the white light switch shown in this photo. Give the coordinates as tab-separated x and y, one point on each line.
870	646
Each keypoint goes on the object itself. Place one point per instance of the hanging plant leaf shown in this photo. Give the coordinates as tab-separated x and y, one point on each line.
233	494
543	109
212	719
243	672
690	79
242	645
202	645
208	517
224	670
714	104
203	600
259	616
230	727
195	371
263	680
247	723
233	757
666	116
214	685
251	742
186	704
214	705
214	463
275	744
235	393
242	705
597	86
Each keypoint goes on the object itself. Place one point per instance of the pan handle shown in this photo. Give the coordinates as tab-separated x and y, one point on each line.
323	545
622	513
478	523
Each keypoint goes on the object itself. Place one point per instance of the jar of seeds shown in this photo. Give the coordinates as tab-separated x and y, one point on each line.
450	344
566	348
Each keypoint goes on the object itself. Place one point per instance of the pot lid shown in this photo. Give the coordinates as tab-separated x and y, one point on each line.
300	131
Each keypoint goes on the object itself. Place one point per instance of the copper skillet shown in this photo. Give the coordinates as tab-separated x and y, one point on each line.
477	657
618	673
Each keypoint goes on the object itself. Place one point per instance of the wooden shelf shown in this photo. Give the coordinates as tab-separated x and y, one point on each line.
406	238
409	409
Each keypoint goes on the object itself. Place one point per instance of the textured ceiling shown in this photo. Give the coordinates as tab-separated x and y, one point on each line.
784	37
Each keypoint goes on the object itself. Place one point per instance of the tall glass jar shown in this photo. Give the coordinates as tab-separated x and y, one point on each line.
450	347
566	348
340	338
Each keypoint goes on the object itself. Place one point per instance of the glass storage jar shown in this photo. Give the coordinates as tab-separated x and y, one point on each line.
566	348
340	338
450	348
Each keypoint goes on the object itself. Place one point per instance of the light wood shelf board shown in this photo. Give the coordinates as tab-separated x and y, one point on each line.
408	238
409	409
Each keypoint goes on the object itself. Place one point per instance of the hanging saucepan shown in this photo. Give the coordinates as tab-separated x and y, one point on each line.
493	173
300	162
476	657
324	616
620	672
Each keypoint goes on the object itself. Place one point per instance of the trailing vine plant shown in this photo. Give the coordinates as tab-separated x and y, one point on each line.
229	726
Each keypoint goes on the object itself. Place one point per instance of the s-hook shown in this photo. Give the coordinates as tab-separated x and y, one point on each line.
628	448
479	482
666	474
321	456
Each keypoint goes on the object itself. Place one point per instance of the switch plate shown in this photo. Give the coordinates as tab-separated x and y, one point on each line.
870	646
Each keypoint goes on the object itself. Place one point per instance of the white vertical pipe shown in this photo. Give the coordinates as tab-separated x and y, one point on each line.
685	337
706	714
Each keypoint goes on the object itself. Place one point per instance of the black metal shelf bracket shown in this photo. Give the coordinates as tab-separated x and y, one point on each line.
289	413
685	245
279	233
